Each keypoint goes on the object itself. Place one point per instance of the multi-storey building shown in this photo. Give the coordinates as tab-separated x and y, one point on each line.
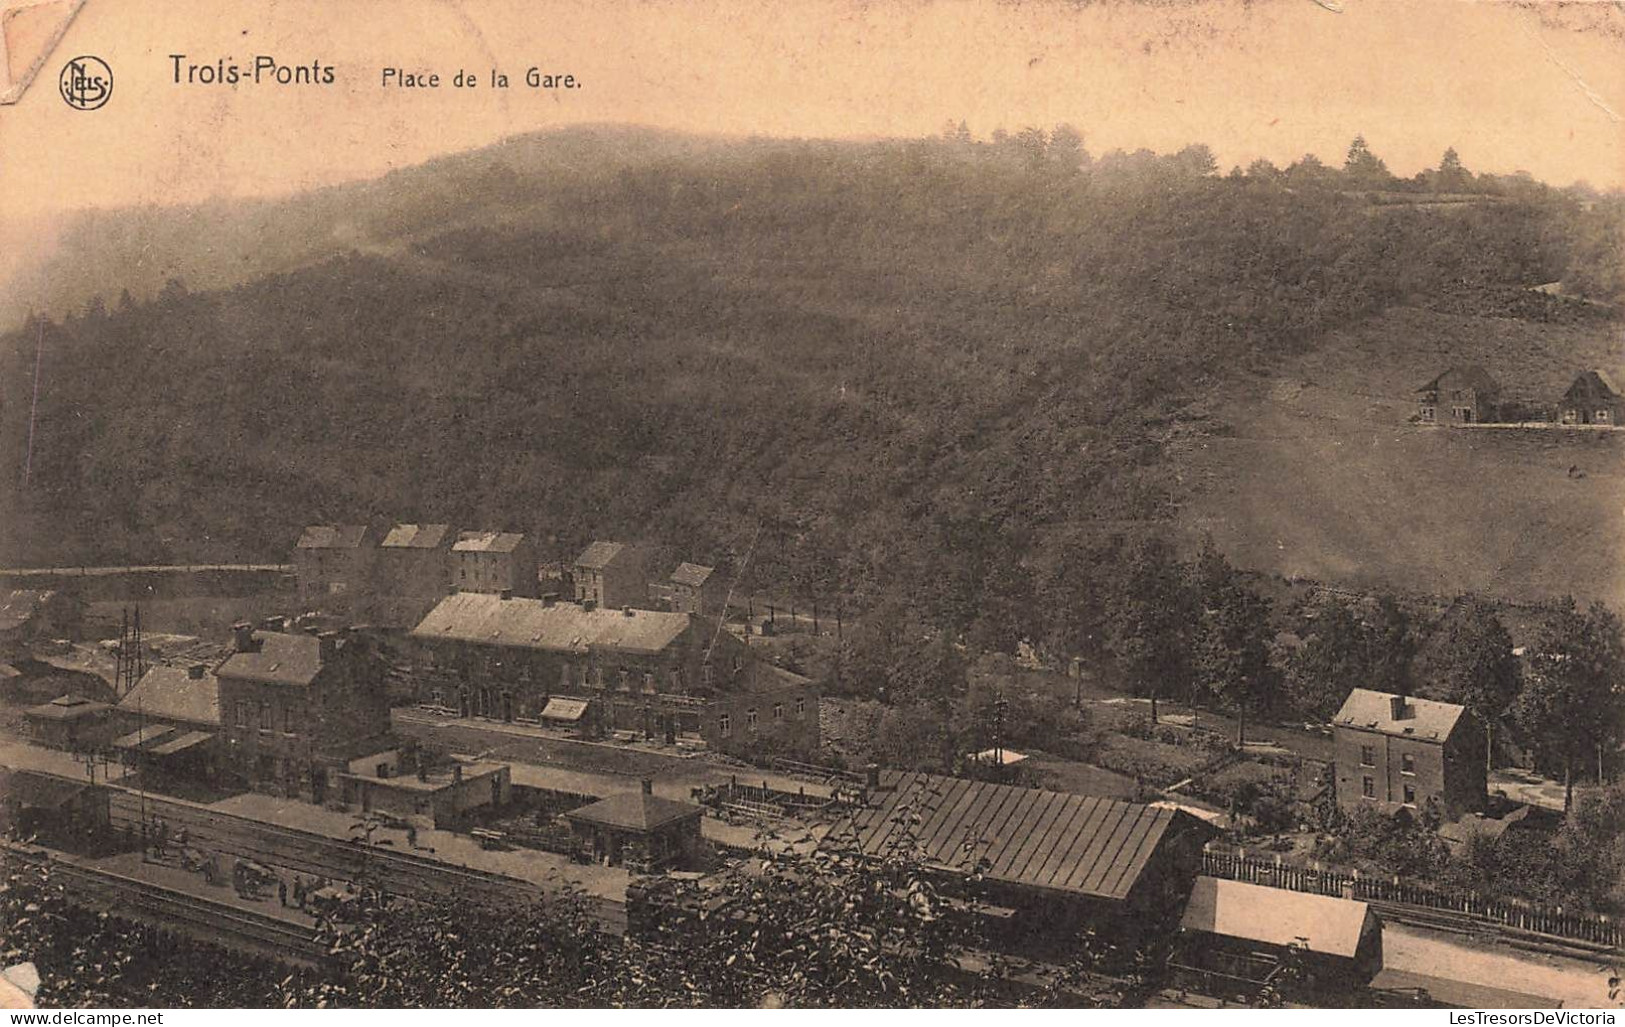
1398	752
333	563
412	572
494	562
612	574
297	709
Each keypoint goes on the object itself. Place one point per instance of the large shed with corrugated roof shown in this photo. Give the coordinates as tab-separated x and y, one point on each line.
1055	861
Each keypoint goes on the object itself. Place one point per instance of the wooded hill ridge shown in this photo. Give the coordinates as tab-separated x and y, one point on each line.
863	356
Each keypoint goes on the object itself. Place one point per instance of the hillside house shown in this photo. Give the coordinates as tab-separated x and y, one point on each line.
412	572
1461	395
170	720
505	657
333	564
693	588
1052	864
613	574
1396	752
1592	399
494	562
297	708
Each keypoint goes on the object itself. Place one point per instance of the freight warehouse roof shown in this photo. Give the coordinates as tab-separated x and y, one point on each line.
1276	916
415	536
172	693
1068	843
332	536
552	626
488	542
1424	719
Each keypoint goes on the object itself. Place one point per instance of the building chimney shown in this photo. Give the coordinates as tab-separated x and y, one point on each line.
588	604
871	776
506	593
195	671
242	634
627	611
327	645
1398	708
648	786
549	598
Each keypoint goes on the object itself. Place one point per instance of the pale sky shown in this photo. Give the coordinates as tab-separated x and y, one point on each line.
1535	87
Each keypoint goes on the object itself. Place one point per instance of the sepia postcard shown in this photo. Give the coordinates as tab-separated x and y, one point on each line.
931	504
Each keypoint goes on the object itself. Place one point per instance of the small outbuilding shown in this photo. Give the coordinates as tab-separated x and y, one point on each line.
68	722
639	828
1238	937
1592	399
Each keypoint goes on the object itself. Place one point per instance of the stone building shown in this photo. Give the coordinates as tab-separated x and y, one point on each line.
494	562
296	708
1396	752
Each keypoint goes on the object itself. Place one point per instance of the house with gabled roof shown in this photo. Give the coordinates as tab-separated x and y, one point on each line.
614	574
494	562
1460	395
412	572
1398	752
695	588
333	564
1592	399
296	709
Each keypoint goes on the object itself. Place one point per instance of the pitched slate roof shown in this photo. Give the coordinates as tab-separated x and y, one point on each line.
1276	916
634	811
1592	385
291	658
415	536
1470	376
332	536
1427	719
556	627
599	555
170	693
1069	843
691	574
487	541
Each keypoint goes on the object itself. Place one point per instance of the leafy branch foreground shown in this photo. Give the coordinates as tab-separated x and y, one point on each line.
825	930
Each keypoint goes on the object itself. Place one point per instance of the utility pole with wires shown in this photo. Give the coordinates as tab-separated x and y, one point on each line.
705	661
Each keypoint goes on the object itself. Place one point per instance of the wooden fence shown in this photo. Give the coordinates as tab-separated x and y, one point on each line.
1594	928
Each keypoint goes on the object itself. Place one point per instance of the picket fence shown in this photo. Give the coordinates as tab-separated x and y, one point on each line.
1588	927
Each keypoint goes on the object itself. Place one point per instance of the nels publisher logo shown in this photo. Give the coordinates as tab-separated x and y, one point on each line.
86	83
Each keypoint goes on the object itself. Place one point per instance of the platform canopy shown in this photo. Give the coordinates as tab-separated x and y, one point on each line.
140	739
564	709
189	740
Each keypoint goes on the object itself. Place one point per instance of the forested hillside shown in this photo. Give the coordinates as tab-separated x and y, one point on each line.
860	356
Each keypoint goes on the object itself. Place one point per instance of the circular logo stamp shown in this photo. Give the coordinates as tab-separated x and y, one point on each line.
86	83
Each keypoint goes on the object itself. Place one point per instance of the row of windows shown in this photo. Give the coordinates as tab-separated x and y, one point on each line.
266	720
1368	758
725	722
1368	789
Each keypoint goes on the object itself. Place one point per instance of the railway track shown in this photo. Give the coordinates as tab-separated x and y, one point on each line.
313	855
174	910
